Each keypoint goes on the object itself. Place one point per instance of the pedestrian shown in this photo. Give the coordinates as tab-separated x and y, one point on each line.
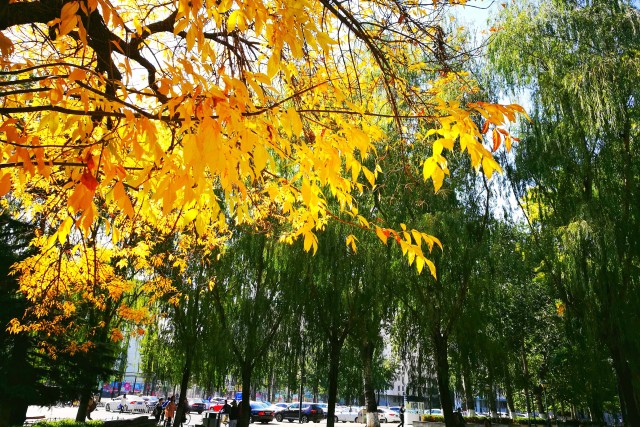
234	413
123	402
91	406
458	419
185	409
225	411
164	405
170	411
401	411
157	411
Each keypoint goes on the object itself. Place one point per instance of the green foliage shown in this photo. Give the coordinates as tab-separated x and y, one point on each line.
576	175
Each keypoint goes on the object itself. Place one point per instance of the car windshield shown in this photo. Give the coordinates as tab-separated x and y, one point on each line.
258	405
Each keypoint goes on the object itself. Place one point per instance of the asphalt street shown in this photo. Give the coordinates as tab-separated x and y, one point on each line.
59	413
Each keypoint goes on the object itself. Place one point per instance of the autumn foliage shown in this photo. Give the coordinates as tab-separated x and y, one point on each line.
124	121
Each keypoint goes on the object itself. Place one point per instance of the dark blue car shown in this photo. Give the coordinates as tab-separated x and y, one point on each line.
261	412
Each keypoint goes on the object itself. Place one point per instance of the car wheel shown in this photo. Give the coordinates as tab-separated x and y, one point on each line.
305	419
357	421
107	407
335	419
279	418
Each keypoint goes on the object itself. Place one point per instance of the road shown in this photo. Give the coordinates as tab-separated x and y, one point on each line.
55	413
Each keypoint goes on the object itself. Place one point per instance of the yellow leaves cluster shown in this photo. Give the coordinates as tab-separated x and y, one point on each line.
456	125
410	242
249	119
77	282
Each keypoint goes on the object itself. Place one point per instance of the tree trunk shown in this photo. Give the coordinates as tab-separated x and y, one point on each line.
334	370
469	401
625	385
509	395
13	412
537	392
369	390
440	343
184	384
245	406
82	406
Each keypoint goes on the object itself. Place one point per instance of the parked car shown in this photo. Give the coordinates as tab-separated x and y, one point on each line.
384	416
347	414
216	405
132	404
310	412
103	401
151	402
197	405
261	412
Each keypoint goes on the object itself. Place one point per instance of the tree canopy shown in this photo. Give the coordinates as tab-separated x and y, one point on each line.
125	121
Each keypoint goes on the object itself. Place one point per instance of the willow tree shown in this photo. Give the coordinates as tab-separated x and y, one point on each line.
577	173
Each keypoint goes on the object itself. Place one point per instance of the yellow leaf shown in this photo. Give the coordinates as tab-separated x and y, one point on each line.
325	41
232	21
64	229
180	26
310	241
6	45
69	10
77	74
122	199
5	184
273	65
67	25
429	167
294	120
380	232
369	175
351	241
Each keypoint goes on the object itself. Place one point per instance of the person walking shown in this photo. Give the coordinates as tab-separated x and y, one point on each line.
157	411
458	419
170	411
123	402
234	414
401	416
225	411
91	406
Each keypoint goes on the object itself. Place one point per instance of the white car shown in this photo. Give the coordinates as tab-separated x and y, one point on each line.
132	404
346	414
386	415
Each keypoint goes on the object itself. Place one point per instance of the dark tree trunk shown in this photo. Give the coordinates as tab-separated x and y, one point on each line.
537	393
184	385
440	343
334	369
245	407
82	406
469	401
509	395
369	390
625	386
13	412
